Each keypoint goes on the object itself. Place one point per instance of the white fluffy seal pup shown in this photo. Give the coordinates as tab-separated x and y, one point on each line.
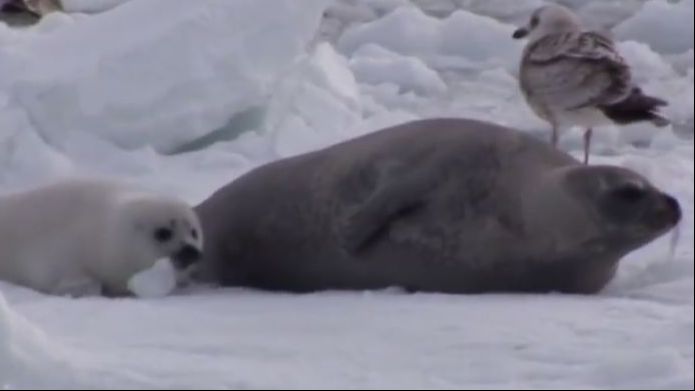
83	236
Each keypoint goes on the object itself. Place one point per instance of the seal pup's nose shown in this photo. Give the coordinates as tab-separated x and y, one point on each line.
186	256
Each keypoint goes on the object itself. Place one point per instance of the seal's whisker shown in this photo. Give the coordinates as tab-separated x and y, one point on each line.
675	238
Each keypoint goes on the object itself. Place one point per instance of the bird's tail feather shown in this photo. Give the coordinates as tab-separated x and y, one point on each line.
637	107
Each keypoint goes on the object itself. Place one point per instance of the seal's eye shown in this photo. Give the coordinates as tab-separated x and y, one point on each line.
194	233
629	193
163	234
534	21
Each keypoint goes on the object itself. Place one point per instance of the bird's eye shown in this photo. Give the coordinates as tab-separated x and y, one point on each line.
163	234
534	21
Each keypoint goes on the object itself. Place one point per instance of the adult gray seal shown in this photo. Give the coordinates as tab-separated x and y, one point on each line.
438	205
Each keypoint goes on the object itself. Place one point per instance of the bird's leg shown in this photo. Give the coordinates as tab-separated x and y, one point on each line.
587	144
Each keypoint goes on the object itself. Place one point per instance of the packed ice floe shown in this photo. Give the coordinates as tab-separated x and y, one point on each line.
182	96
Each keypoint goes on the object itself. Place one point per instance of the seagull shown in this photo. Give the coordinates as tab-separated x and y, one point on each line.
571	76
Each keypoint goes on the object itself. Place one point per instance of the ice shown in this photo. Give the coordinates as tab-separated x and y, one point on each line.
471	36
666	26
241	339
605	15
196	68
28	358
182	96
516	12
682	62
656	76
407	30
373	64
319	101
154	282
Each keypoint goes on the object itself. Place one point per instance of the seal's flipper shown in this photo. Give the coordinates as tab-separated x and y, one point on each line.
392	200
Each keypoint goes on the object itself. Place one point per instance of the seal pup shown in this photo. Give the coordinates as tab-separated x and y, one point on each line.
43	7
84	236
572	77
438	205
38	8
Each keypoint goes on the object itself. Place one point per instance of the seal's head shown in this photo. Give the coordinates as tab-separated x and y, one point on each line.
168	228
626	209
599	211
550	19
145	229
584	219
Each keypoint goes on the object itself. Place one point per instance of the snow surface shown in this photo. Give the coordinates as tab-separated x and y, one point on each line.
181	96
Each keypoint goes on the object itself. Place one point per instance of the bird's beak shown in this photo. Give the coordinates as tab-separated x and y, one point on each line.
520	33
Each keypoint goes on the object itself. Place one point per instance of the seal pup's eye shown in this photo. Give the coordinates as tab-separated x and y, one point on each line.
630	192
194	233
163	234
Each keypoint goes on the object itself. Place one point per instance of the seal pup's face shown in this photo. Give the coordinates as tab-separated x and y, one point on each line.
627	211
550	19
142	230
167	229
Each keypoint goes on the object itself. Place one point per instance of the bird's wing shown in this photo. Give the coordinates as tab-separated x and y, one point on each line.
575	70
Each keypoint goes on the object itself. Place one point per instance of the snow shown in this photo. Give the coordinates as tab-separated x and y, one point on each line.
605	15
373	64
157	281
317	101
664	26
28	358
182	96
98	75
408	30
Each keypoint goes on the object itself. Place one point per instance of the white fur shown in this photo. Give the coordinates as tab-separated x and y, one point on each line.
81	236
43	7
